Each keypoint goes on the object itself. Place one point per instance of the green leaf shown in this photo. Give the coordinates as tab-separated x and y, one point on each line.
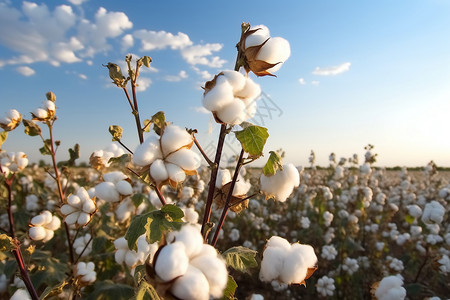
53	290
109	290
230	289
146	60
31	128
253	138
147	124
146	292
6	243
116	132
159	122
46	149
173	211
3	137
138	199
241	258
273	164
154	224
51	272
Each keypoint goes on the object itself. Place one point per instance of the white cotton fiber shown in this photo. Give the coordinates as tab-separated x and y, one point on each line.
107	191
185	159
147	152
191	286
272	263
219	96
191	237
114	177
175	172
235	79
390	288
279	242
232	113
72	218
258	37
282	183
75	201
223	177
172	261
124	188
67	209
37	233
174	138
158	171
215	272
250	91
276	50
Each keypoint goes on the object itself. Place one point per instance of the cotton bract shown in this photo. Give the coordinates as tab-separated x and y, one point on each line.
168	158
11	120
42	226
231	97
78	209
195	269
287	263
280	185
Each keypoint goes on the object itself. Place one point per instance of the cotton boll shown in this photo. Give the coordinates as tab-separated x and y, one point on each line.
193	285
48	235
233	113
272	263
38	220
131	258
185	159
258	37
241	187
250	91
158	171
282	183
147	152
89	206
279	242
175	172
174	138
172	261
215	272
275	50
191	237
124	188
124	210
114	177
75	201
190	215
40	113
67	209
219	96
235	79
107	191
37	233
297	262
223	177
72	218
83	219
390	288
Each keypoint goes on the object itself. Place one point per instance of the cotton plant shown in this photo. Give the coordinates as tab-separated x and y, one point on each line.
43	226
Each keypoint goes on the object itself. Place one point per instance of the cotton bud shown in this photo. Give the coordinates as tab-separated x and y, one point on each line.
263	54
116	75
85	272
11	120
231	97
280	185
79	208
42	226
287	263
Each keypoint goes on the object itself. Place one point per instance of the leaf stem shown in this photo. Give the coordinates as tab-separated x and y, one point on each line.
227	203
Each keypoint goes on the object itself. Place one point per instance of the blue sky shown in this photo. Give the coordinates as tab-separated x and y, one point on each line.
360	72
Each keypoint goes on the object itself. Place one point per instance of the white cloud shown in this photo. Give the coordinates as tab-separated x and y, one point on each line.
127	42
77	2
203	73
143	83
151	40
25	71
82	76
333	70
198	55
174	78
302	81
315	82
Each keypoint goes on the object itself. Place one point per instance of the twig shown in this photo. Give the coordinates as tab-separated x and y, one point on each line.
210	162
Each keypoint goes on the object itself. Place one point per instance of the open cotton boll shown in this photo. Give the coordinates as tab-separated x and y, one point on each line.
297	262
215	271
390	288
75	201
190	236
107	191
233	113
258	37
114	177
281	184
172	261
158	171
223	177
272	263
37	233
185	159
124	210
241	187
275	51
433	213
124	188
147	152
67	209
174	138
250	91
279	242
175	173
235	79
219	96
40	113
193	285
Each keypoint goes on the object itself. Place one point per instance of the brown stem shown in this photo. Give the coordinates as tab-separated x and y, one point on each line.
126	148
84	249
135	111
421	266
240	201
212	182
154	185
8	183
23	271
210	162
227	203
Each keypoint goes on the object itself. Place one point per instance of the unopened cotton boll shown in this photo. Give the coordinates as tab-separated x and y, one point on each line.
193	285
280	185
172	261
